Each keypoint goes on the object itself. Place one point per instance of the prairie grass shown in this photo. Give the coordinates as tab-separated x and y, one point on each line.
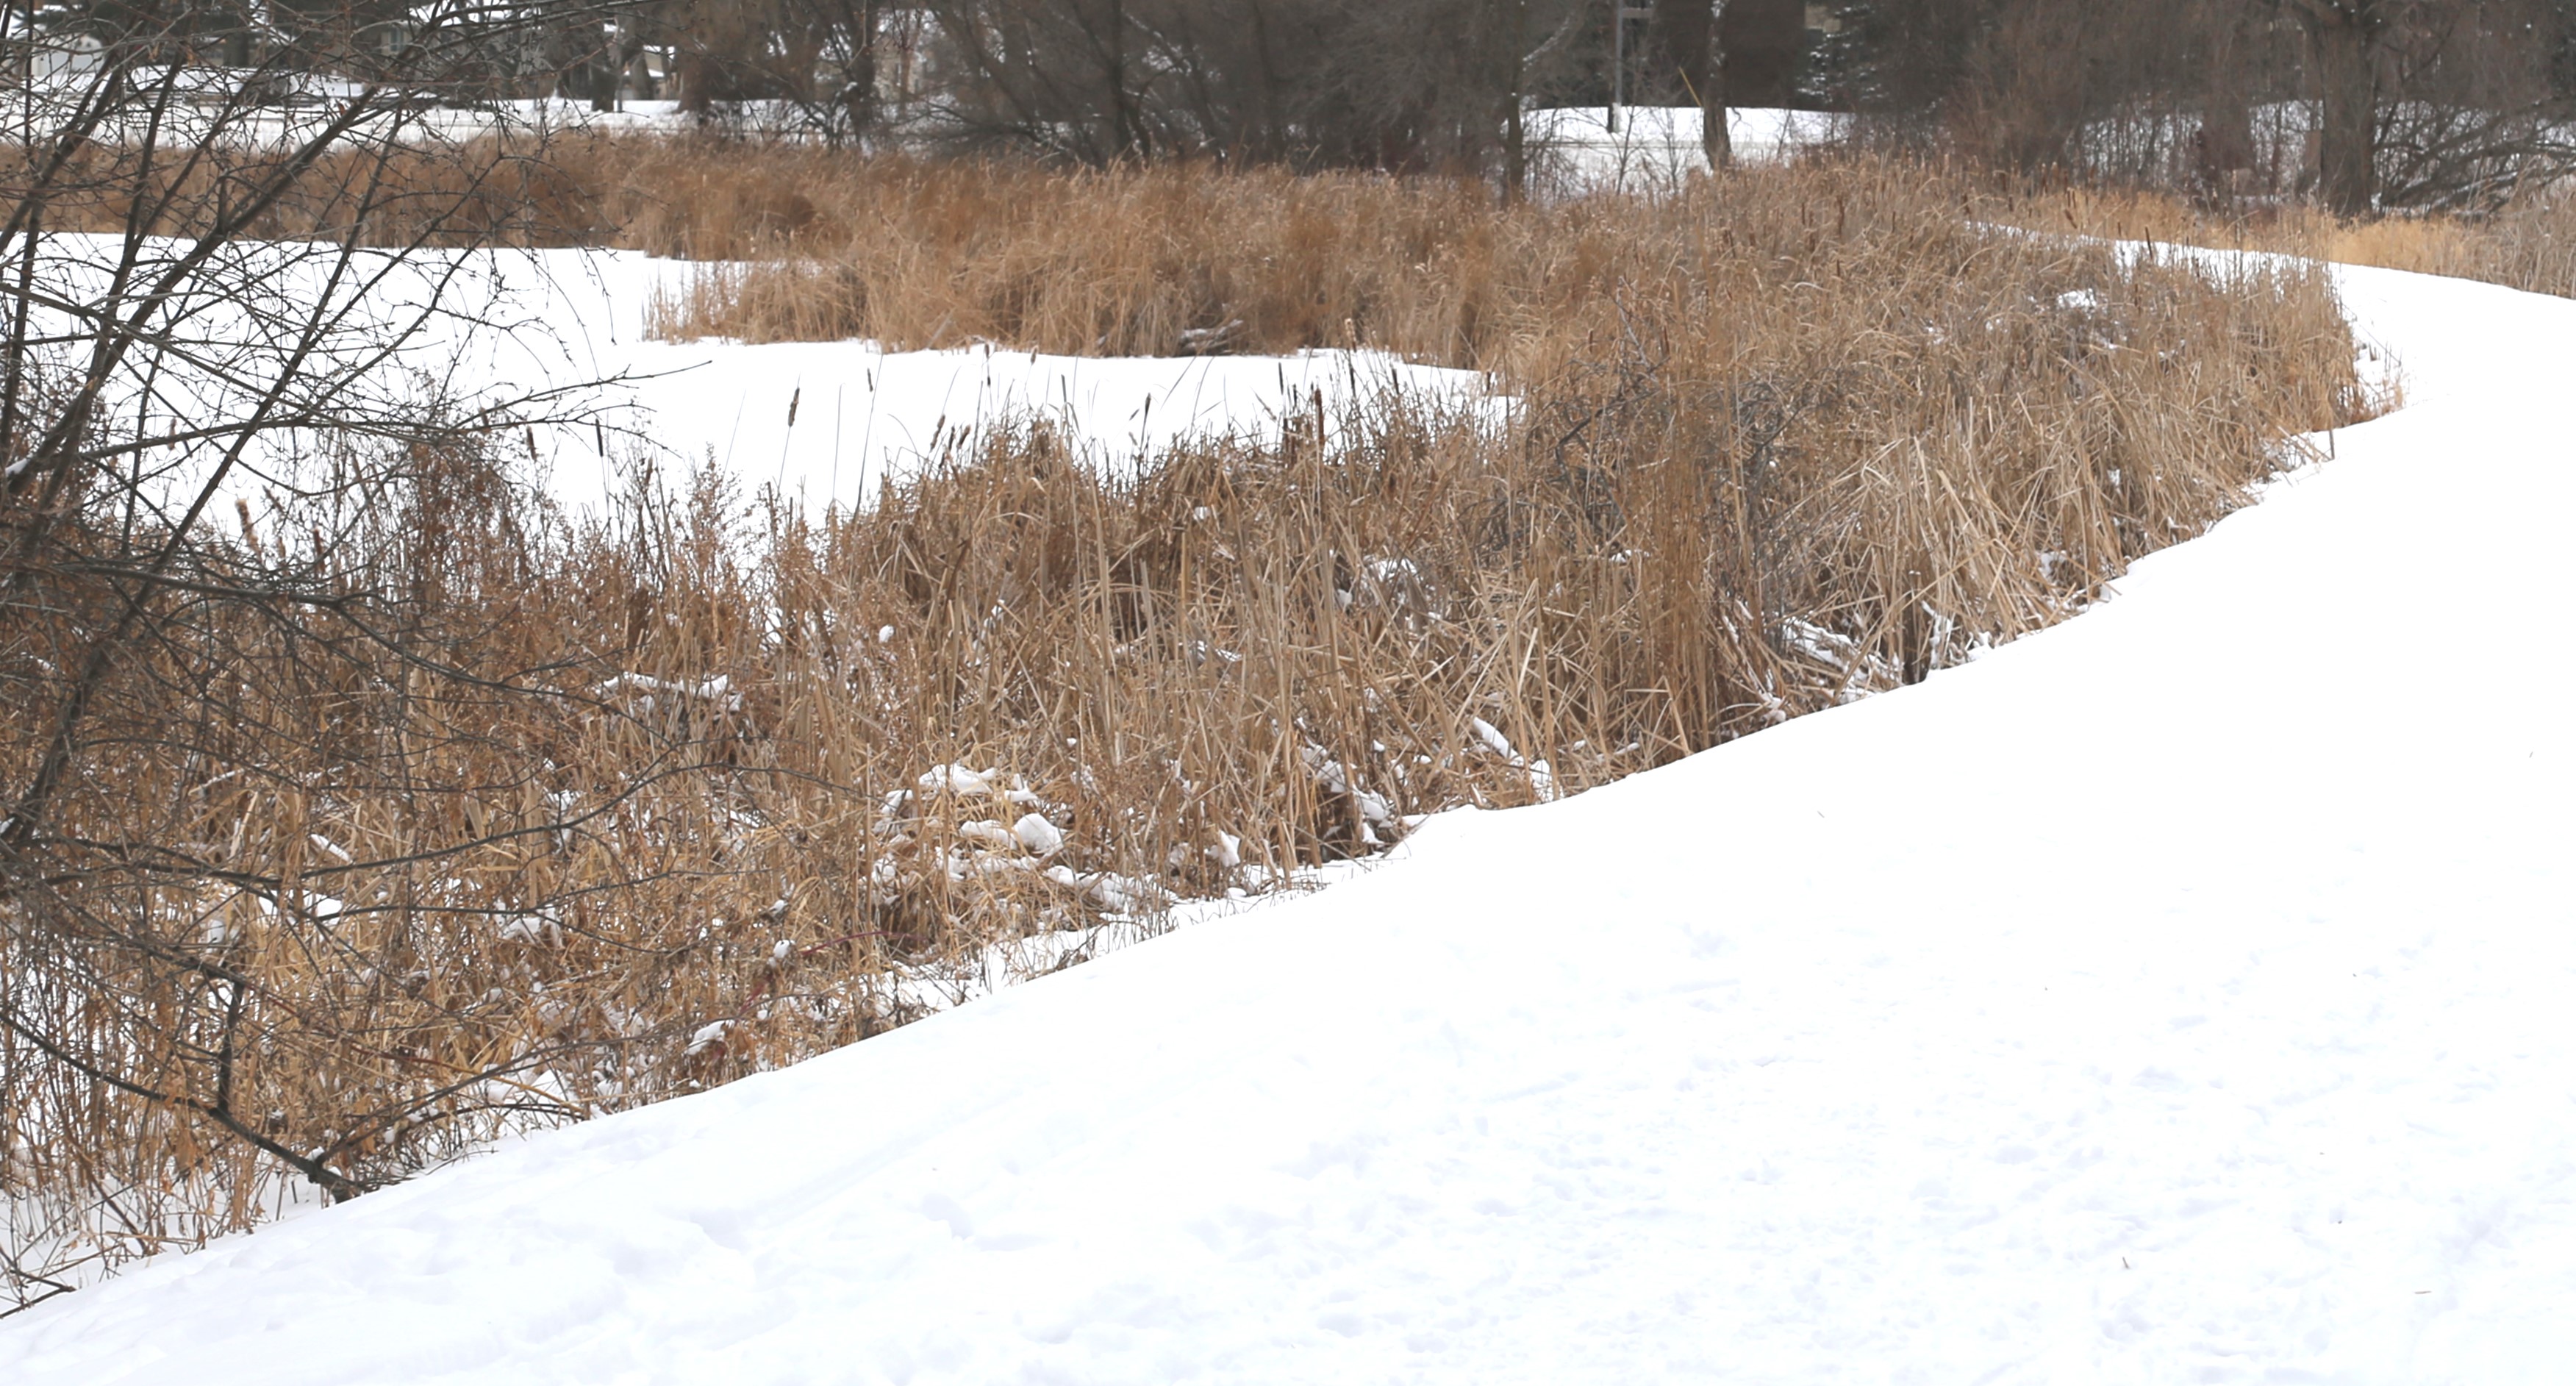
711	784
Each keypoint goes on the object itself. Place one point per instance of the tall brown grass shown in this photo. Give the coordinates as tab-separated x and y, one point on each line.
678	798
2528	244
1167	260
917	253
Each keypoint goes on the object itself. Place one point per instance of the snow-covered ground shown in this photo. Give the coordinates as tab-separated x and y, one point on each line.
827	420
2175	995
1658	147
822	421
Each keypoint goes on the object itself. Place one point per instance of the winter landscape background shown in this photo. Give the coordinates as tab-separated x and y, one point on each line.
1035	690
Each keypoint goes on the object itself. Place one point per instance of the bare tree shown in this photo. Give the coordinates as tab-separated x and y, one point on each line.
1423	84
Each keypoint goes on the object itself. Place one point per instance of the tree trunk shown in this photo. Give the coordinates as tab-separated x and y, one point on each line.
2344	38
2223	147
1514	23
1686	43
1272	140
1127	130
608	72
1715	140
697	76
859	94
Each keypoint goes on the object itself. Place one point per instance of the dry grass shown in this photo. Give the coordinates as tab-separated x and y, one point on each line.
922	253
1166	261
657	816
2530	244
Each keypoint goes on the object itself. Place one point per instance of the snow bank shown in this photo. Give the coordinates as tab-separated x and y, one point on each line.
2177	994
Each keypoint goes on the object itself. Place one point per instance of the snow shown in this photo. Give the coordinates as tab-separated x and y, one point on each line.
1036	833
2176	994
956	779
829	421
1658	147
566	330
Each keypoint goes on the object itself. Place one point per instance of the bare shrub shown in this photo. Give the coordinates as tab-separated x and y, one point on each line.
180	1013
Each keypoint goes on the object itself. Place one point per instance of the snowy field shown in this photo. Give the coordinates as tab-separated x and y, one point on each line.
2178	994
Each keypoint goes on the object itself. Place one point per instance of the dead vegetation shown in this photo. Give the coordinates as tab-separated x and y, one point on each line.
648	801
813	244
2527	243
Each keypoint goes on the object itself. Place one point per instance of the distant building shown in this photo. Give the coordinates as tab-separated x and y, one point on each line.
50	50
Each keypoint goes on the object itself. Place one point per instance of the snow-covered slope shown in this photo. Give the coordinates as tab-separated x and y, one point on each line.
2180	994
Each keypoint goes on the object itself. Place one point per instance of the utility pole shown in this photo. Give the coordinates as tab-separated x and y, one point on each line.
1621	12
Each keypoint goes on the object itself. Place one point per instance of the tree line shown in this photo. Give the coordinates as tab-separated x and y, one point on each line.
2360	103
